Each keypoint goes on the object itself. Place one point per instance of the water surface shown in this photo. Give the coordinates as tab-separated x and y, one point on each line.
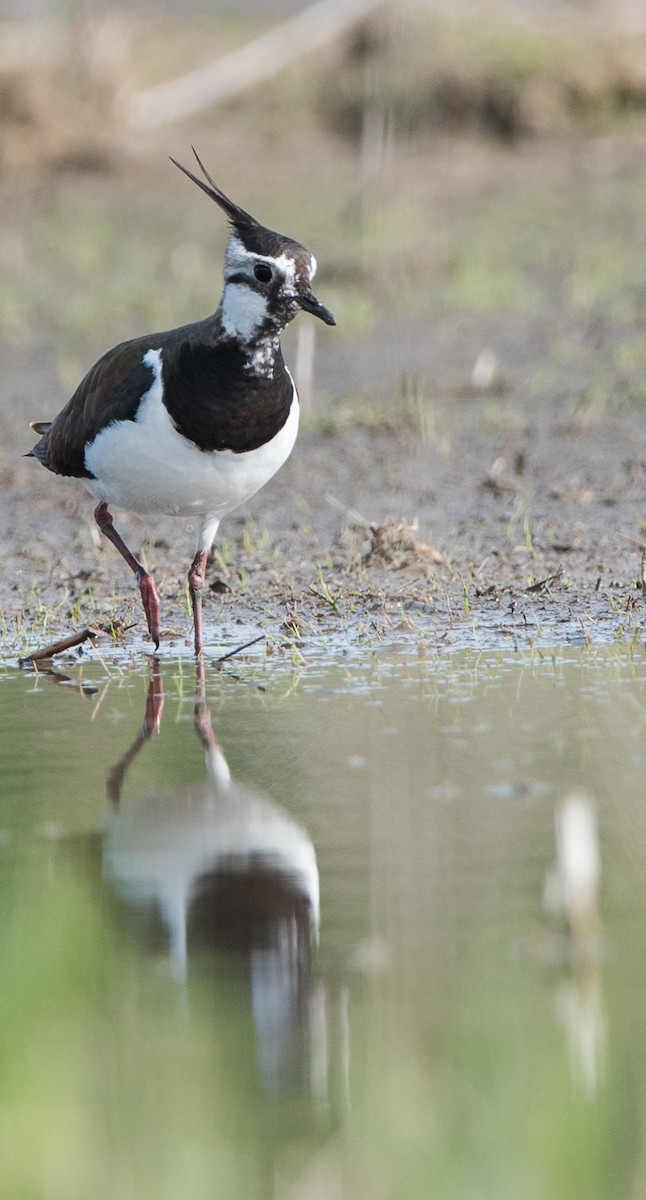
308	946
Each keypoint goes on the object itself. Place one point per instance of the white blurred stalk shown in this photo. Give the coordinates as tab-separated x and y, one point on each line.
578	863
575	896
304	363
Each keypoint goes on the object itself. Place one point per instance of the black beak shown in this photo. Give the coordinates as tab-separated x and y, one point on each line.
310	304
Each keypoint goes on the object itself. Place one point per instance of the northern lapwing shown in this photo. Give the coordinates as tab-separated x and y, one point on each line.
193	421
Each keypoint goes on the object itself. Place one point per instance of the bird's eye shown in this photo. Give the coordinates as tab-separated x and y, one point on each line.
262	272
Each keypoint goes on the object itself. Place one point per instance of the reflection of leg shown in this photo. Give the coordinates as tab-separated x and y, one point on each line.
149	597
151	724
216	763
196	578
154	700
202	715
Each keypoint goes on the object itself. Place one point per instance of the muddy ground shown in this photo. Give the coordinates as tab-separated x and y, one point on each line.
425	501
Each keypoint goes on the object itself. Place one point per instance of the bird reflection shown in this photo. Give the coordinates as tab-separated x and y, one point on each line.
227	872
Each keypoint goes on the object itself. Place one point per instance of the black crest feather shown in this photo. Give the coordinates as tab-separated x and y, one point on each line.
237	216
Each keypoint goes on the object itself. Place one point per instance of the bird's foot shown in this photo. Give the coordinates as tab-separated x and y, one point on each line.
150	601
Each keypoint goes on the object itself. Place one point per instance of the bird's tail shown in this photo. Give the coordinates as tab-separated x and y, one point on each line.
39	451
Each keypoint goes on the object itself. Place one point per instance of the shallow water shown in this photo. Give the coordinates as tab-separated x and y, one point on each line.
346	970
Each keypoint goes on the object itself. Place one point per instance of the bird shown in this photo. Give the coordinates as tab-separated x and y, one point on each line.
193	421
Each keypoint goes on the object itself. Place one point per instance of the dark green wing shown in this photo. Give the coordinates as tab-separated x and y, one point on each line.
111	391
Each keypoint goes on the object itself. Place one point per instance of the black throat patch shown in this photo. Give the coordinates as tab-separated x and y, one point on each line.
215	402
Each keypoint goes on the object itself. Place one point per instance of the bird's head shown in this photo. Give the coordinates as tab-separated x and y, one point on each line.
267	277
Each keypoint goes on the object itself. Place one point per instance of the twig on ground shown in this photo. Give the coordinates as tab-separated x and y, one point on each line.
545	584
239	649
90	634
46	653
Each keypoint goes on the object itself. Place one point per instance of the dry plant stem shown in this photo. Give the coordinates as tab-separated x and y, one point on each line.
547	582
239	649
47	652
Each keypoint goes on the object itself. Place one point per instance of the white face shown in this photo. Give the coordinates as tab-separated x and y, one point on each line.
243	311
260	285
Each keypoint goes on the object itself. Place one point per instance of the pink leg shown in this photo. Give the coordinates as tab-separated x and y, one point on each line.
196	578
149	597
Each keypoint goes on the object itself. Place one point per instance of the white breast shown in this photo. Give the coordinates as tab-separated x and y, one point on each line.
145	466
